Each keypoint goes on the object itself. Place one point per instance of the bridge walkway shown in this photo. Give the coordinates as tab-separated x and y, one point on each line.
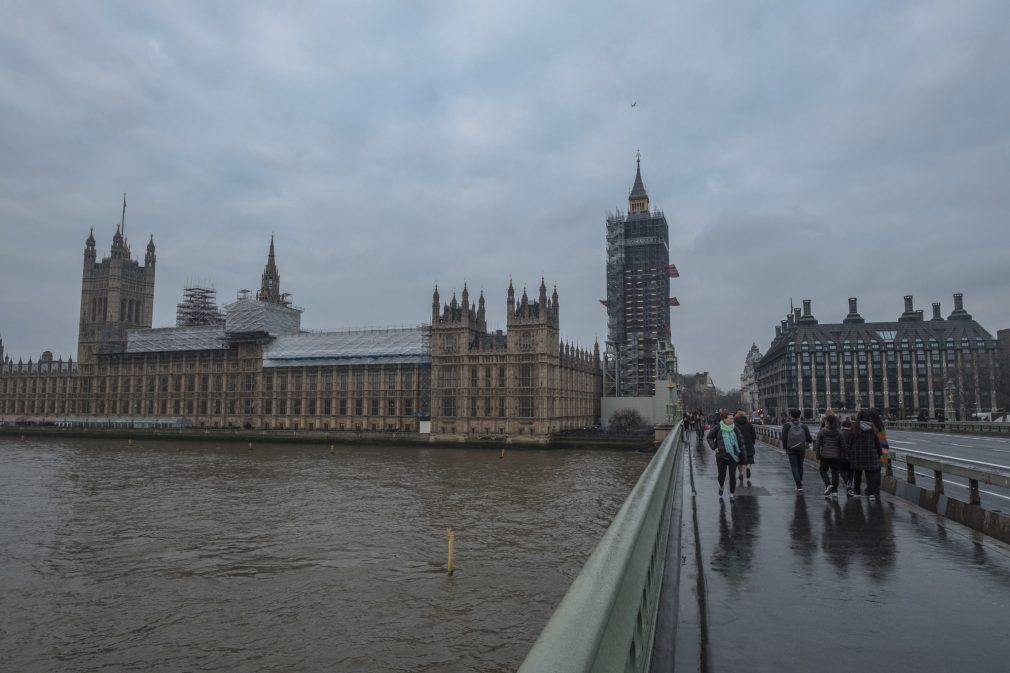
783	582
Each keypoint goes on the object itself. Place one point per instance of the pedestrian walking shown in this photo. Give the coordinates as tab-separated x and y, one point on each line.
828	447
727	442
864	456
878	425
746	429
796	440
843	462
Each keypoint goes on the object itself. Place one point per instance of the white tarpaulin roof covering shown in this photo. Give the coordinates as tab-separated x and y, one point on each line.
162	339
392	346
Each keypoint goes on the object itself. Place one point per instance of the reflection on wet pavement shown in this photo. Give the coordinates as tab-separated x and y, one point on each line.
800	582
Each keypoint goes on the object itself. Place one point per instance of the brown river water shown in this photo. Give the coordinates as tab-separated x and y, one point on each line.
192	557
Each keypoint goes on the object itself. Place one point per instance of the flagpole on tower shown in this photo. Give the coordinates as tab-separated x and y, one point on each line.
122	222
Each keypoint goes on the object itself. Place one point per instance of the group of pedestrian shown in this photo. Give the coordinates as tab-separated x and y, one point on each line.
849	449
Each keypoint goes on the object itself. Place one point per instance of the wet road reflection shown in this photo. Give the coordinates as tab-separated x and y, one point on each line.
807	583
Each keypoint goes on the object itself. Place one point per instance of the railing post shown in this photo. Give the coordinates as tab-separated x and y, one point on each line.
910	470
974	497
938	481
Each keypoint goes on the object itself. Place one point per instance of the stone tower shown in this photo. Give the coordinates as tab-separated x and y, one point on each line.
117	294
270	285
638	290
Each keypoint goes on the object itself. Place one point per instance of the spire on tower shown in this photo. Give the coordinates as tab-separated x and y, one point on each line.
638	200
270	287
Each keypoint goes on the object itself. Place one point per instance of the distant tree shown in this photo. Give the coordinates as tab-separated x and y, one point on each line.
626	420
727	399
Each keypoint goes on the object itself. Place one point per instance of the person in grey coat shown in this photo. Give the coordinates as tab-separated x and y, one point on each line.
864	456
829	448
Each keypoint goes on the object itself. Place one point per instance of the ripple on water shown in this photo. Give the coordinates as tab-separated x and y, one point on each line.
289	558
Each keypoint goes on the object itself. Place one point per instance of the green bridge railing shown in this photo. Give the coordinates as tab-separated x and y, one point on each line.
606	621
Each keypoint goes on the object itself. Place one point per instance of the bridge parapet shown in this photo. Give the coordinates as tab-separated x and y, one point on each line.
606	621
993	523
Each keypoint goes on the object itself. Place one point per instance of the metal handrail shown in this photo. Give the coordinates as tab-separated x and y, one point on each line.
992	475
605	621
979	427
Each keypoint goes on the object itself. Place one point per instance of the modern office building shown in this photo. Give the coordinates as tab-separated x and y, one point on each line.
903	367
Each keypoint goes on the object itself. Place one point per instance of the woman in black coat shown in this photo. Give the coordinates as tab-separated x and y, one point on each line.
864	456
749	434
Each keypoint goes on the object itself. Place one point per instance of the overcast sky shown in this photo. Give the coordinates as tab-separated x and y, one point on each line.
820	150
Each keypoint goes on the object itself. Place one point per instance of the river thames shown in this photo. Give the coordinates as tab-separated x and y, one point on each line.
290	558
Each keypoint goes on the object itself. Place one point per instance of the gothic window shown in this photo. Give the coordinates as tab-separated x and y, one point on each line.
391	380
375	407
312	407
473	407
359	407
296	407
449	406
501	377
525	376
408	380
391	407
327	407
342	407
473	377
408	407
526	406
526	341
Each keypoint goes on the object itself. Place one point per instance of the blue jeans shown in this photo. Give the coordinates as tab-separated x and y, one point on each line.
796	463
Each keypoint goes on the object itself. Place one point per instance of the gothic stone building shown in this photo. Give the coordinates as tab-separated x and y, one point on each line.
522	383
900	367
259	369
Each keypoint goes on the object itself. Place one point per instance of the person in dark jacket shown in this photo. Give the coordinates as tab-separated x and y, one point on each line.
843	462
864	456
796	448
746	429
829	451
728	443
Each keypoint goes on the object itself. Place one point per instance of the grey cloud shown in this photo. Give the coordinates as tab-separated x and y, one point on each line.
390	146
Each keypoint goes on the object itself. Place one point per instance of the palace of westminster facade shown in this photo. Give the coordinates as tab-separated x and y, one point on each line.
252	366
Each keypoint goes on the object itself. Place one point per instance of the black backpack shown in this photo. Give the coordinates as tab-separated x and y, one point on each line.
796	440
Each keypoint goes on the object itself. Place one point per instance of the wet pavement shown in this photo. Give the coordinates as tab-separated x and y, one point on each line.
783	582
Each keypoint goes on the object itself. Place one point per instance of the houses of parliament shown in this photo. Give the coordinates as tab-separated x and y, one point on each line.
251	365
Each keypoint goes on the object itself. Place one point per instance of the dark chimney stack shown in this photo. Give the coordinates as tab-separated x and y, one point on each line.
910	313
959	312
936	311
806	308
853	316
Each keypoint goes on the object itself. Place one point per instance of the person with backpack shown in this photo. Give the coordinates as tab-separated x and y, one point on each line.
728	443
746	429
829	451
796	440
864	456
